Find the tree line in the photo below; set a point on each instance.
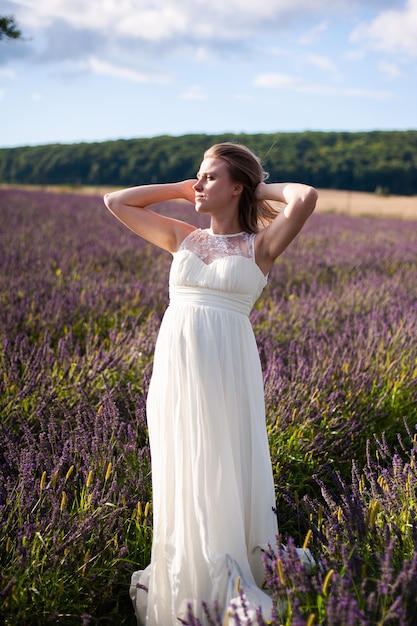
(377, 161)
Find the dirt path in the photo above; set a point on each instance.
(330, 201)
(360, 203)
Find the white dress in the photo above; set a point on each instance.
(213, 491)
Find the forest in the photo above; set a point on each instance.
(384, 162)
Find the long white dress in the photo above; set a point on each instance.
(213, 491)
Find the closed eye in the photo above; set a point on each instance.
(206, 176)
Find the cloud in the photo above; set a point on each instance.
(195, 92)
(276, 52)
(124, 73)
(7, 73)
(323, 63)
(62, 41)
(128, 35)
(3, 93)
(313, 34)
(292, 83)
(179, 21)
(141, 20)
(393, 31)
(390, 70)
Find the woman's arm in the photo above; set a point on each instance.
(300, 201)
(129, 206)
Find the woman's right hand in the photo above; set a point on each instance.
(187, 189)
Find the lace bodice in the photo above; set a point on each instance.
(220, 262)
(210, 247)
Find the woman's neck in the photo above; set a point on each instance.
(225, 226)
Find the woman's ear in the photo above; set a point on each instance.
(237, 189)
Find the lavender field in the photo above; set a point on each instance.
(81, 300)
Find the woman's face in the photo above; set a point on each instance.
(214, 189)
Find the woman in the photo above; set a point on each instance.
(213, 492)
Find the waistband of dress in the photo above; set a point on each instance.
(200, 296)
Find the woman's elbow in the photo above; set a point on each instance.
(311, 198)
(109, 201)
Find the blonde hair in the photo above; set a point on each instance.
(245, 168)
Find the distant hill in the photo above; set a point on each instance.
(379, 161)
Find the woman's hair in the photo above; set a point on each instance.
(245, 168)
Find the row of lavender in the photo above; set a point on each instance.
(80, 304)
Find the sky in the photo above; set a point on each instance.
(100, 70)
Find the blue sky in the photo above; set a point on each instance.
(108, 69)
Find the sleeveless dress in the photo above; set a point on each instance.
(213, 491)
